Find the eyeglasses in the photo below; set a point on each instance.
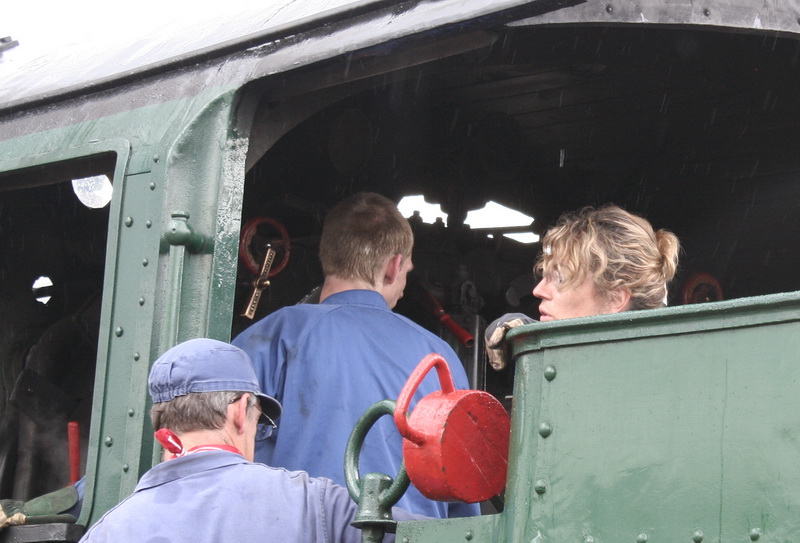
(265, 427)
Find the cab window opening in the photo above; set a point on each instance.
(53, 257)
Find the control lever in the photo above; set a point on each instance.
(260, 283)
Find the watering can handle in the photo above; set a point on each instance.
(416, 377)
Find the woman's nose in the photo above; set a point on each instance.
(540, 290)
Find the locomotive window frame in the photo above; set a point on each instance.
(25, 171)
(60, 167)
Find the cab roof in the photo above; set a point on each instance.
(38, 59)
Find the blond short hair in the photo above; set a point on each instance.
(360, 233)
(617, 248)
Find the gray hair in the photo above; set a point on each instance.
(196, 411)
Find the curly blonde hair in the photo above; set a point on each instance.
(617, 248)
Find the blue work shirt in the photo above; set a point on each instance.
(327, 363)
(219, 496)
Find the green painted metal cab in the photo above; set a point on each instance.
(667, 425)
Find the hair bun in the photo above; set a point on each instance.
(669, 247)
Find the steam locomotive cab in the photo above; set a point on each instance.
(136, 211)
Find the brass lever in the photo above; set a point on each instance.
(260, 283)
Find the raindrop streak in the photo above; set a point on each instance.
(767, 99)
(347, 66)
(755, 167)
(453, 123)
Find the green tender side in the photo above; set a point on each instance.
(680, 424)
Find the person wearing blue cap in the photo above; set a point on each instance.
(208, 411)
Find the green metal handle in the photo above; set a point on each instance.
(179, 232)
(181, 238)
(389, 496)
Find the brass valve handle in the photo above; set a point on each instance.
(260, 283)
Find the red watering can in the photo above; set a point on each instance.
(455, 444)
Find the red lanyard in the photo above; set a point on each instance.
(173, 444)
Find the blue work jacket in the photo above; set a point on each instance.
(219, 496)
(327, 363)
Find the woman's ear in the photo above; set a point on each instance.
(619, 300)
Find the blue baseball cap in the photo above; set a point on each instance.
(206, 365)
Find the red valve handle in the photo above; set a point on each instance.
(701, 287)
(414, 380)
(245, 251)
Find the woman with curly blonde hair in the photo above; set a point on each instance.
(604, 260)
(594, 262)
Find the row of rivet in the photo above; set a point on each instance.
(468, 535)
(131, 413)
(697, 536)
(545, 429)
(119, 331)
(610, 9)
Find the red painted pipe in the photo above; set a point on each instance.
(74, 438)
(467, 339)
